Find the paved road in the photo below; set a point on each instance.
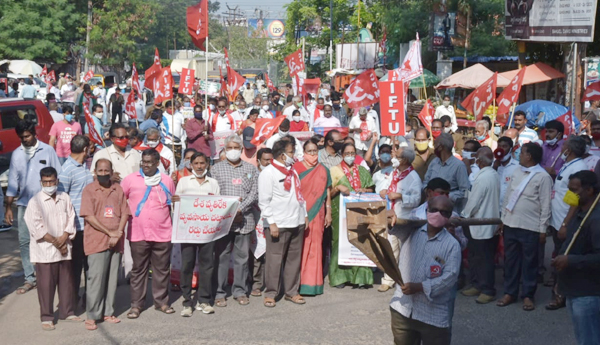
(344, 316)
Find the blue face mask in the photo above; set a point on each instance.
(186, 104)
(69, 118)
(481, 138)
(385, 157)
(517, 154)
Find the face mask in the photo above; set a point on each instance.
(221, 112)
(480, 137)
(421, 146)
(564, 156)
(336, 106)
(103, 179)
(436, 219)
(296, 118)
(99, 115)
(152, 144)
(283, 133)
(198, 116)
(497, 130)
(187, 164)
(233, 155)
(299, 104)
(211, 107)
(69, 118)
(551, 142)
(312, 160)
(447, 129)
(320, 106)
(386, 158)
(186, 104)
(289, 161)
(262, 167)
(395, 162)
(121, 142)
(338, 146)
(349, 160)
(506, 157)
(467, 155)
(49, 190)
(320, 147)
(409, 135)
(200, 175)
(446, 103)
(571, 199)
(436, 134)
(265, 107)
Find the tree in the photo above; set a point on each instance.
(38, 29)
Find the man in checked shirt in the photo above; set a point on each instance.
(236, 178)
(429, 264)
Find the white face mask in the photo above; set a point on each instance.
(49, 190)
(564, 156)
(446, 103)
(447, 129)
(551, 142)
(222, 112)
(99, 115)
(506, 156)
(233, 155)
(265, 107)
(152, 144)
(262, 167)
(296, 118)
(211, 106)
(467, 155)
(200, 175)
(395, 162)
(289, 161)
(349, 160)
(282, 133)
(187, 164)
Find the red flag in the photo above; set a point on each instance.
(51, 76)
(234, 82)
(153, 71)
(426, 115)
(567, 121)
(392, 108)
(265, 128)
(163, 86)
(88, 76)
(509, 96)
(269, 83)
(295, 62)
(412, 66)
(223, 91)
(186, 81)
(197, 23)
(44, 73)
(481, 98)
(226, 59)
(592, 92)
(94, 135)
(135, 81)
(130, 106)
(363, 91)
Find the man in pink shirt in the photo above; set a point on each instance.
(149, 194)
(62, 132)
(327, 120)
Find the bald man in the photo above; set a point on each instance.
(513, 134)
(483, 202)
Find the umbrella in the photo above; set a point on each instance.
(430, 80)
(24, 67)
(539, 112)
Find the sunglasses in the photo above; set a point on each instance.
(444, 213)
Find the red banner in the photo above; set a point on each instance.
(135, 81)
(130, 106)
(197, 23)
(426, 115)
(163, 86)
(592, 92)
(265, 128)
(480, 99)
(269, 83)
(186, 81)
(94, 135)
(363, 91)
(51, 76)
(234, 82)
(567, 121)
(509, 96)
(88, 76)
(392, 108)
(153, 71)
(295, 62)
(44, 73)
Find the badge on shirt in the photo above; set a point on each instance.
(108, 212)
(249, 175)
(236, 181)
(435, 271)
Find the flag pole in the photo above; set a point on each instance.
(512, 113)
(173, 125)
(206, 73)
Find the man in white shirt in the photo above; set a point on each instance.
(284, 130)
(327, 120)
(248, 93)
(56, 116)
(447, 109)
(224, 119)
(318, 110)
(483, 202)
(264, 112)
(297, 104)
(468, 157)
(242, 110)
(505, 165)
(140, 108)
(284, 209)
(172, 125)
(526, 134)
(167, 159)
(372, 113)
(55, 91)
(363, 127)
(100, 93)
(67, 92)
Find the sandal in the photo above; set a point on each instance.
(111, 319)
(296, 299)
(165, 309)
(221, 302)
(26, 288)
(528, 306)
(74, 318)
(243, 300)
(90, 325)
(256, 293)
(134, 313)
(506, 300)
(269, 302)
(48, 326)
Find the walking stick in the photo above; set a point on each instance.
(581, 225)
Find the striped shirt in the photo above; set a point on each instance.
(528, 135)
(433, 262)
(45, 215)
(452, 170)
(72, 180)
(328, 160)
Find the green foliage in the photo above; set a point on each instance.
(38, 29)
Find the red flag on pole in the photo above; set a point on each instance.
(426, 115)
(94, 135)
(51, 76)
(135, 81)
(153, 71)
(481, 98)
(186, 81)
(567, 120)
(44, 73)
(269, 83)
(509, 96)
(130, 106)
(223, 84)
(234, 81)
(197, 23)
(363, 91)
(265, 128)
(163, 86)
(88, 76)
(295, 62)
(412, 66)
(592, 92)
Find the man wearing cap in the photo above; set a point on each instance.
(249, 152)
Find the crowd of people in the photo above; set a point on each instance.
(292, 189)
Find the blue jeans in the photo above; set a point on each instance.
(585, 314)
(24, 245)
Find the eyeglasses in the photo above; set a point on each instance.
(444, 213)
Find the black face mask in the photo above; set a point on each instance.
(103, 179)
(336, 106)
(338, 146)
(320, 147)
(198, 115)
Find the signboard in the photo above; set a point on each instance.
(592, 72)
(187, 112)
(356, 55)
(266, 28)
(203, 218)
(212, 88)
(392, 108)
(443, 29)
(550, 20)
(219, 143)
(348, 254)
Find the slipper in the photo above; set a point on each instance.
(111, 319)
(256, 293)
(242, 300)
(165, 309)
(221, 302)
(26, 288)
(48, 326)
(134, 313)
(74, 318)
(90, 325)
(528, 306)
(503, 302)
(296, 299)
(269, 302)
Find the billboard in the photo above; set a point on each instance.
(550, 21)
(266, 28)
(356, 55)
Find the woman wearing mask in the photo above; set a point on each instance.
(62, 132)
(315, 187)
(347, 177)
(297, 125)
(196, 184)
(199, 133)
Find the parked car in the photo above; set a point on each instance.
(39, 85)
(12, 110)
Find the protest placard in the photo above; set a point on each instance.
(392, 108)
(203, 218)
(302, 136)
(219, 143)
(258, 241)
(187, 112)
(348, 254)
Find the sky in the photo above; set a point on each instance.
(271, 8)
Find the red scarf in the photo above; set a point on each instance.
(165, 162)
(317, 114)
(216, 116)
(287, 183)
(397, 177)
(297, 126)
(354, 177)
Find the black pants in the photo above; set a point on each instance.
(78, 264)
(205, 254)
(557, 245)
(412, 332)
(118, 112)
(481, 263)
(521, 261)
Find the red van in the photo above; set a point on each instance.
(12, 110)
